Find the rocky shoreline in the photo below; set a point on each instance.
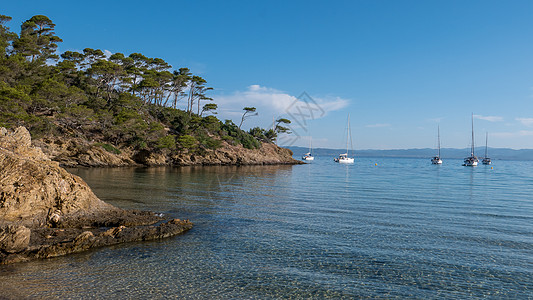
(45, 211)
(77, 152)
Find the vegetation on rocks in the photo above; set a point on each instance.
(115, 101)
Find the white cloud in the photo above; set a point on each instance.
(280, 102)
(229, 112)
(489, 118)
(379, 125)
(257, 87)
(525, 121)
(525, 133)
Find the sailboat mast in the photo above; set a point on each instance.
(349, 134)
(438, 137)
(486, 143)
(472, 151)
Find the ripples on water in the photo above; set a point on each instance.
(403, 228)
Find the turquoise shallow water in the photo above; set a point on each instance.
(404, 228)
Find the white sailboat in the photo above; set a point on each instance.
(486, 160)
(436, 160)
(472, 160)
(343, 158)
(308, 156)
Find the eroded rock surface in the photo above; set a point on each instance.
(45, 211)
(76, 152)
(268, 154)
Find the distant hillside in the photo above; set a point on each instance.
(494, 153)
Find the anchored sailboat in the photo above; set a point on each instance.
(486, 160)
(343, 158)
(436, 160)
(308, 155)
(472, 160)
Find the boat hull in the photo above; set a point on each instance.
(471, 161)
(308, 156)
(436, 161)
(345, 160)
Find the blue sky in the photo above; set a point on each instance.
(399, 68)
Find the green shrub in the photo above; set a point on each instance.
(139, 144)
(168, 142)
(108, 148)
(78, 111)
(212, 143)
(208, 142)
(187, 141)
(211, 124)
(126, 115)
(242, 137)
(229, 140)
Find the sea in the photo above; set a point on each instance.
(379, 228)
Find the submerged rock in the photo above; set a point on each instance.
(45, 211)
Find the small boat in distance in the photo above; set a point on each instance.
(472, 160)
(486, 160)
(308, 155)
(343, 158)
(436, 160)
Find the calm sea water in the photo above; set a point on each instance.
(402, 228)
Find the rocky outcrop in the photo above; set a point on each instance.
(268, 154)
(76, 152)
(46, 211)
(14, 238)
(23, 244)
(34, 192)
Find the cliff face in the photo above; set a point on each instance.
(46, 211)
(268, 154)
(75, 152)
(33, 186)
